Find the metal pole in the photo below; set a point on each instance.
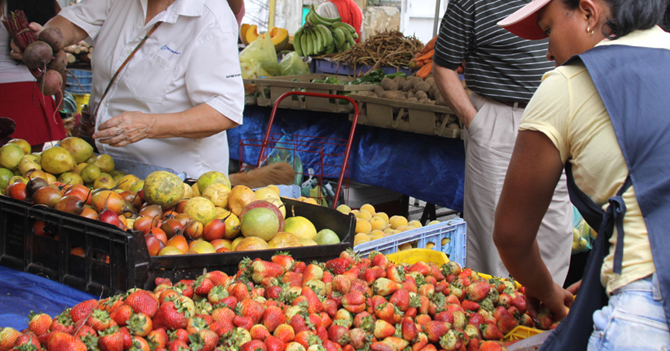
(271, 16)
(437, 17)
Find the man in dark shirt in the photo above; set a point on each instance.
(502, 71)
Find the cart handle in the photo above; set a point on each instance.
(349, 142)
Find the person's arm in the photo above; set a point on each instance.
(72, 34)
(236, 5)
(534, 171)
(129, 127)
(453, 93)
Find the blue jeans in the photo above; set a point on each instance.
(633, 320)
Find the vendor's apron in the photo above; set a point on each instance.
(633, 85)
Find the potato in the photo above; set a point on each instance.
(379, 90)
(400, 81)
(422, 86)
(434, 92)
(389, 85)
(412, 99)
(440, 101)
(409, 85)
(421, 95)
(430, 80)
(390, 95)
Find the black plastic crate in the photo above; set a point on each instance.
(116, 261)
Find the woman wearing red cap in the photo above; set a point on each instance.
(603, 114)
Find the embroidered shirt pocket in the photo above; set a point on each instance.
(149, 78)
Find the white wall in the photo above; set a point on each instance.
(418, 18)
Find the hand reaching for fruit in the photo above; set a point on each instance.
(126, 128)
(557, 302)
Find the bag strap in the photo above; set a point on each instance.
(118, 71)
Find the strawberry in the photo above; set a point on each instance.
(250, 308)
(312, 272)
(390, 343)
(168, 294)
(460, 320)
(253, 345)
(519, 301)
(420, 342)
(39, 323)
(341, 284)
(435, 330)
(421, 267)
(82, 310)
(158, 337)
(350, 255)
(263, 269)
(284, 333)
(473, 345)
(339, 334)
(259, 332)
(377, 259)
(59, 341)
(430, 280)
(140, 325)
(427, 290)
(239, 291)
(217, 278)
(223, 314)
(400, 299)
(424, 304)
(171, 315)
(142, 302)
(230, 301)
(196, 324)
(186, 287)
(176, 345)
(383, 329)
(209, 339)
(29, 339)
(436, 272)
(63, 322)
(111, 303)
(315, 305)
(272, 343)
(386, 312)
(429, 347)
(369, 275)
(329, 306)
(299, 267)
(472, 331)
(305, 338)
(333, 346)
(445, 316)
(360, 285)
(352, 273)
(283, 259)
(326, 321)
(178, 334)
(453, 340)
(338, 265)
(409, 329)
(82, 330)
(273, 317)
(344, 317)
(354, 301)
(506, 323)
(243, 322)
(526, 321)
(476, 319)
(422, 319)
(99, 320)
(202, 286)
(222, 327)
(111, 339)
(491, 331)
(469, 305)
(477, 291)
(490, 346)
(364, 320)
(121, 315)
(139, 344)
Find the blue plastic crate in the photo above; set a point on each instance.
(330, 67)
(454, 230)
(85, 79)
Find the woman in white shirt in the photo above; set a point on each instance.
(172, 103)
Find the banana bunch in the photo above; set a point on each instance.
(322, 36)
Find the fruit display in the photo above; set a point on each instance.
(323, 36)
(348, 303)
(280, 38)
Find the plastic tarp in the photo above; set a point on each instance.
(22, 292)
(429, 168)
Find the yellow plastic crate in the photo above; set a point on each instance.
(521, 332)
(412, 256)
(81, 100)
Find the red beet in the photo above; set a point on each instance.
(50, 82)
(37, 55)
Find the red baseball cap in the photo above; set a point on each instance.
(523, 22)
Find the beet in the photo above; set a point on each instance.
(58, 62)
(50, 82)
(37, 55)
(53, 37)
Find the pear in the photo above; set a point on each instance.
(78, 148)
(57, 160)
(105, 163)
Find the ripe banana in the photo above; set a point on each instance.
(296, 42)
(326, 34)
(338, 35)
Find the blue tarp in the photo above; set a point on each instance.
(22, 292)
(426, 167)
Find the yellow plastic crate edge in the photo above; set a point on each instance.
(521, 332)
(415, 255)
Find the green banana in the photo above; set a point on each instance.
(326, 33)
(310, 17)
(345, 25)
(330, 48)
(318, 44)
(346, 46)
(296, 41)
(338, 35)
(318, 19)
(348, 38)
(305, 43)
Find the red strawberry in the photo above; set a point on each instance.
(285, 333)
(351, 256)
(369, 275)
(63, 322)
(222, 327)
(176, 345)
(111, 339)
(223, 314)
(339, 334)
(476, 319)
(59, 341)
(330, 307)
(386, 312)
(239, 291)
(377, 259)
(143, 302)
(341, 284)
(390, 343)
(99, 320)
(272, 343)
(313, 271)
(472, 331)
(359, 337)
(422, 319)
(313, 301)
(460, 320)
(453, 340)
(171, 315)
(140, 325)
(139, 344)
(435, 330)
(333, 346)
(259, 332)
(263, 269)
(82, 310)
(121, 315)
(429, 347)
(421, 267)
(427, 290)
(400, 299)
(272, 317)
(250, 308)
(196, 324)
(338, 265)
(473, 345)
(217, 277)
(29, 338)
(491, 331)
(352, 273)
(178, 334)
(202, 285)
(354, 301)
(299, 267)
(243, 322)
(490, 346)
(305, 338)
(445, 316)
(506, 323)
(82, 330)
(127, 338)
(253, 345)
(383, 329)
(478, 291)
(470, 305)
(208, 339)
(283, 259)
(519, 301)
(111, 303)
(409, 329)
(39, 323)
(526, 321)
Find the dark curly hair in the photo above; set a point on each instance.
(39, 11)
(631, 15)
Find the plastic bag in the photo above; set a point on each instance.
(252, 69)
(284, 151)
(582, 233)
(293, 65)
(261, 51)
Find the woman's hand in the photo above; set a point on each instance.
(15, 52)
(126, 128)
(556, 299)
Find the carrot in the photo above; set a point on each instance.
(425, 70)
(419, 64)
(426, 56)
(429, 46)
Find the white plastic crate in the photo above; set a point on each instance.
(453, 229)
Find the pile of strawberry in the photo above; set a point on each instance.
(348, 303)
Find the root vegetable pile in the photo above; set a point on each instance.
(386, 49)
(347, 303)
(42, 55)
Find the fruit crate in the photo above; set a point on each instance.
(116, 261)
(332, 67)
(454, 230)
(268, 90)
(407, 116)
(79, 82)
